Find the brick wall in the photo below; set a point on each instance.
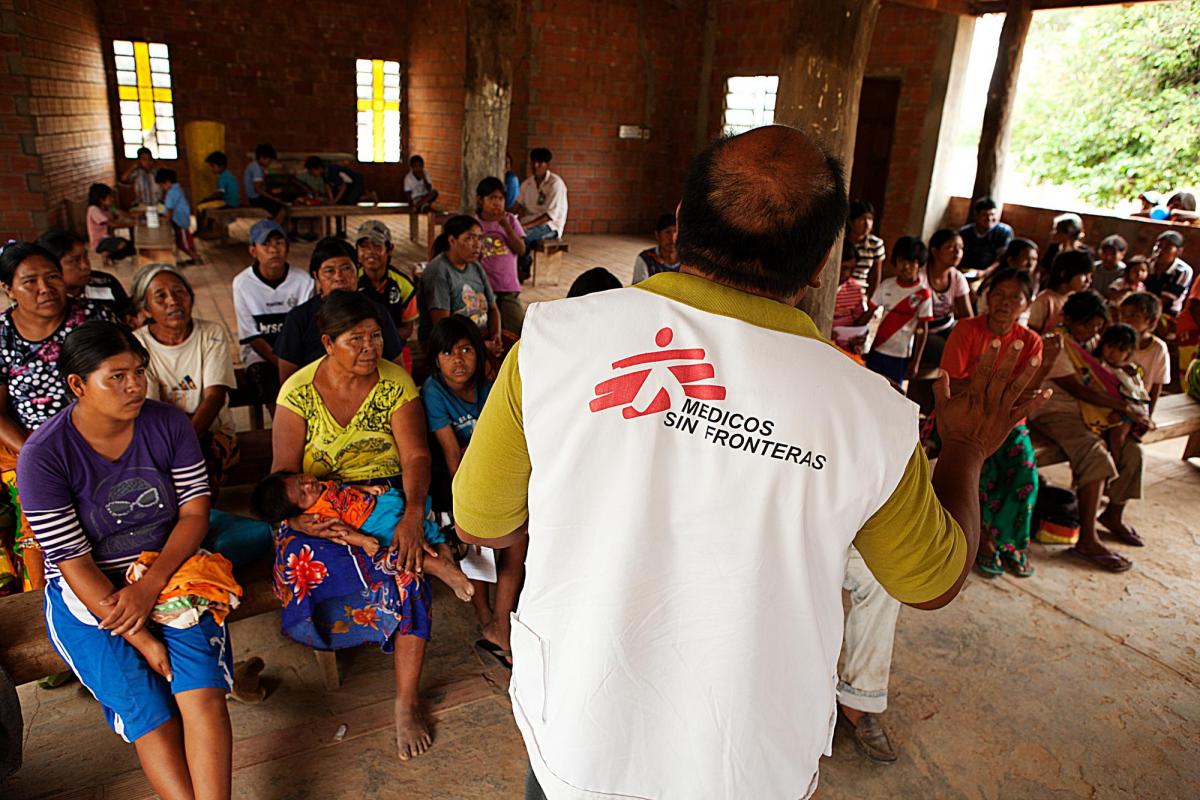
(749, 42)
(54, 137)
(579, 94)
(437, 71)
(270, 70)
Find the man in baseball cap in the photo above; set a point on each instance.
(1170, 275)
(385, 283)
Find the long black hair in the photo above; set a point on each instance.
(455, 226)
(448, 332)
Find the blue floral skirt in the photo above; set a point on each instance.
(335, 596)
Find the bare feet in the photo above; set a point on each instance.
(412, 735)
(445, 570)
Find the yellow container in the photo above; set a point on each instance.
(201, 138)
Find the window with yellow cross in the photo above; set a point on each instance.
(378, 110)
(145, 96)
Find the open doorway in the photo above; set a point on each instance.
(873, 143)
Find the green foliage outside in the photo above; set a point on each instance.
(1111, 105)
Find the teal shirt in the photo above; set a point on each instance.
(227, 185)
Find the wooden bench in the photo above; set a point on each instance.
(547, 261)
(222, 217)
(330, 215)
(1177, 415)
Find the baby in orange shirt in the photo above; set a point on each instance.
(373, 511)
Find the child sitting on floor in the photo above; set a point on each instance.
(1116, 348)
(907, 304)
(179, 212)
(851, 310)
(373, 511)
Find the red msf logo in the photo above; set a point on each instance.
(641, 396)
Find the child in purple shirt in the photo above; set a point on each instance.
(503, 242)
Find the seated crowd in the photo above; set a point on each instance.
(115, 496)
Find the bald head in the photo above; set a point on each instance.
(761, 210)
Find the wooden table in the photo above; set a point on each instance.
(329, 215)
(155, 244)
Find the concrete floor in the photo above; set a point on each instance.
(1070, 684)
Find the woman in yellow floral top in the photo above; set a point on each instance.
(354, 417)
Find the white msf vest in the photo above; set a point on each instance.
(697, 482)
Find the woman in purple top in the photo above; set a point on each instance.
(111, 476)
(503, 242)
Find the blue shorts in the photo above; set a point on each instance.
(135, 698)
(389, 508)
(893, 367)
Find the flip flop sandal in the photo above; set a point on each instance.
(989, 565)
(1018, 564)
(1109, 562)
(1130, 538)
(502, 656)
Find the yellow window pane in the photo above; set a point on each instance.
(377, 79)
(127, 92)
(393, 105)
(146, 109)
(162, 95)
(378, 136)
(364, 105)
(141, 55)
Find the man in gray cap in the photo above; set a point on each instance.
(386, 283)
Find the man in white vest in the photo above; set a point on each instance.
(691, 461)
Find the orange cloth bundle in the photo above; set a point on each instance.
(202, 583)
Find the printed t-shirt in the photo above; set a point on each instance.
(943, 302)
(417, 187)
(904, 307)
(252, 174)
(299, 339)
(550, 199)
(980, 251)
(262, 305)
(650, 262)
(868, 251)
(178, 374)
(398, 296)
(341, 501)
(79, 502)
(445, 408)
(498, 259)
(971, 338)
(1155, 361)
(1060, 401)
(177, 206)
(227, 185)
(97, 225)
(463, 291)
(1046, 310)
(36, 391)
(364, 449)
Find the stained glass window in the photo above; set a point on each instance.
(146, 100)
(378, 84)
(749, 102)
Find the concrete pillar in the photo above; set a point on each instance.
(941, 123)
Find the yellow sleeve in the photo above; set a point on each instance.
(292, 395)
(399, 376)
(912, 545)
(491, 487)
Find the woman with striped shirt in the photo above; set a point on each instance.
(111, 476)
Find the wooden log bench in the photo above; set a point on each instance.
(547, 261)
(1177, 415)
(223, 217)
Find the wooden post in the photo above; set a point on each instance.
(997, 116)
(491, 30)
(706, 68)
(820, 80)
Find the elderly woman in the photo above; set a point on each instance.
(1008, 485)
(113, 477)
(190, 364)
(1093, 467)
(356, 418)
(32, 332)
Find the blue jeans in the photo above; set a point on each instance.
(535, 234)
